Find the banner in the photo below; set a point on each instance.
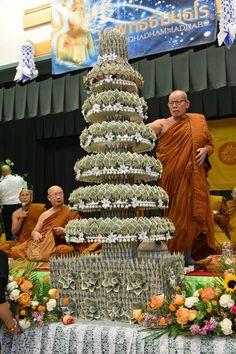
(223, 160)
(151, 27)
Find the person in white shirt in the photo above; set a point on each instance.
(10, 187)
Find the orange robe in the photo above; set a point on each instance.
(50, 245)
(231, 204)
(34, 211)
(186, 184)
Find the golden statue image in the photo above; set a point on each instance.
(75, 45)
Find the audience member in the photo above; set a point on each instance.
(48, 236)
(183, 149)
(5, 313)
(221, 218)
(10, 187)
(24, 220)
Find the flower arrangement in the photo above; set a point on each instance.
(34, 303)
(209, 311)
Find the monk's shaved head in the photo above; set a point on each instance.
(6, 170)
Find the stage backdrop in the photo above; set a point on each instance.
(223, 160)
(151, 27)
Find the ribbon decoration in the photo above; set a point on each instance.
(227, 34)
(26, 69)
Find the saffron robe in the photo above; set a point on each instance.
(34, 211)
(51, 245)
(231, 204)
(186, 184)
(221, 220)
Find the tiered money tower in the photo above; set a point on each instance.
(134, 264)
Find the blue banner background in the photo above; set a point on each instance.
(151, 26)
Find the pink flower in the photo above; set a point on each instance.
(232, 309)
(68, 319)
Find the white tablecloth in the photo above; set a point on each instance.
(107, 337)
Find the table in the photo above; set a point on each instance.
(105, 337)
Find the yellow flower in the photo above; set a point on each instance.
(137, 315)
(229, 283)
(54, 293)
(179, 299)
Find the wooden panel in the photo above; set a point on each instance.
(42, 48)
(37, 16)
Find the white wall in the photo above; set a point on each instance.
(11, 28)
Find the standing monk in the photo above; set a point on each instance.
(183, 149)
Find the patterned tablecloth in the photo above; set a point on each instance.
(107, 337)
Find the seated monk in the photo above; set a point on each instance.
(231, 204)
(221, 218)
(24, 220)
(48, 236)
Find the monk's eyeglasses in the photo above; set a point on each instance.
(177, 103)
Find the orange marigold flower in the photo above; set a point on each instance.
(214, 302)
(33, 307)
(209, 309)
(22, 313)
(41, 308)
(66, 301)
(172, 307)
(162, 321)
(214, 281)
(178, 288)
(46, 280)
(205, 300)
(200, 291)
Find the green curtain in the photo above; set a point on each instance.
(192, 71)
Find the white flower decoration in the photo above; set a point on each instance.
(14, 294)
(51, 304)
(190, 301)
(142, 235)
(226, 326)
(138, 137)
(109, 136)
(134, 202)
(12, 285)
(106, 203)
(112, 237)
(226, 301)
(24, 324)
(123, 169)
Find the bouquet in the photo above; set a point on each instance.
(32, 303)
(209, 311)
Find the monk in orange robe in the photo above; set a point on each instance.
(24, 220)
(227, 218)
(231, 204)
(48, 236)
(183, 149)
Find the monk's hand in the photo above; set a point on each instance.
(59, 231)
(36, 236)
(201, 155)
